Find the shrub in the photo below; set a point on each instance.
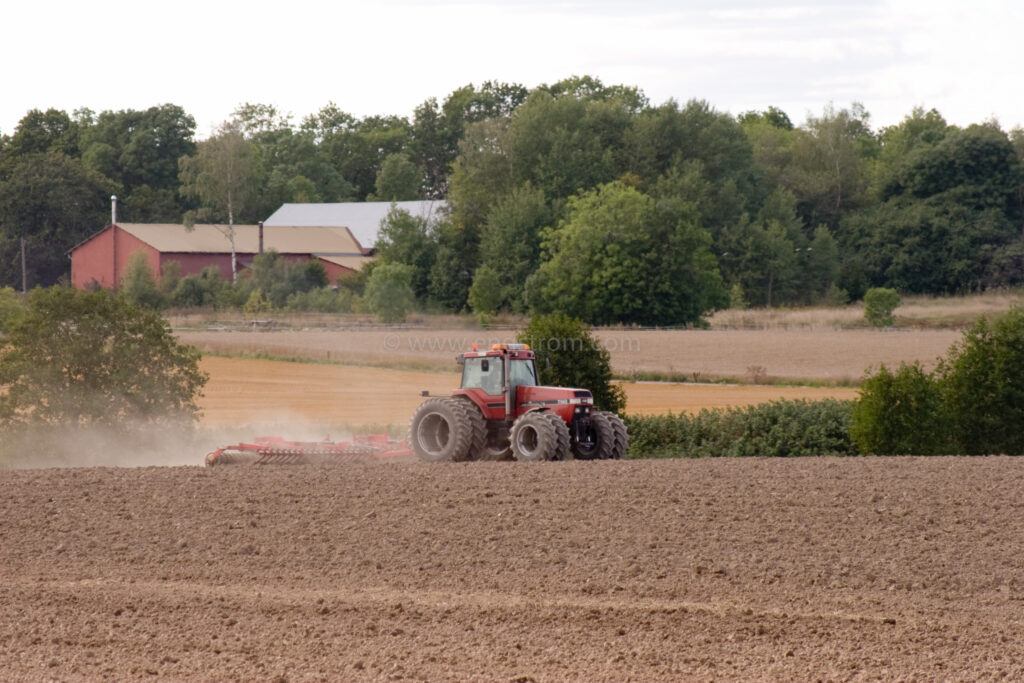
(983, 385)
(138, 285)
(323, 300)
(879, 304)
(776, 429)
(568, 355)
(900, 414)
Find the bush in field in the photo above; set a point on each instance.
(901, 413)
(983, 386)
(10, 308)
(568, 355)
(776, 429)
(972, 404)
(879, 304)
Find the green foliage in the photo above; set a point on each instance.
(256, 304)
(80, 359)
(973, 403)
(879, 304)
(485, 294)
(737, 301)
(511, 240)
(622, 257)
(196, 290)
(138, 285)
(222, 175)
(901, 413)
(55, 202)
(398, 180)
(389, 292)
(983, 386)
(776, 429)
(569, 355)
(407, 239)
(323, 300)
(10, 308)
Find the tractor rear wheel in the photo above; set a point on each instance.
(440, 431)
(477, 428)
(598, 440)
(534, 438)
(621, 435)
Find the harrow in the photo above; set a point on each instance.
(274, 450)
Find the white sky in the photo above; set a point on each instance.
(388, 56)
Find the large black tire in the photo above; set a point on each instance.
(621, 435)
(477, 427)
(497, 448)
(598, 442)
(561, 433)
(440, 431)
(534, 438)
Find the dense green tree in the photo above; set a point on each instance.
(983, 385)
(622, 257)
(899, 413)
(399, 180)
(510, 243)
(407, 239)
(79, 359)
(829, 160)
(139, 150)
(54, 202)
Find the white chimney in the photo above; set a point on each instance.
(113, 209)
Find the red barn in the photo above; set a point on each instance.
(103, 258)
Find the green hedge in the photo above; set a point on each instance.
(776, 429)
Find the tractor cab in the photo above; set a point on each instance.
(503, 383)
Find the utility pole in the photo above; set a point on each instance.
(24, 275)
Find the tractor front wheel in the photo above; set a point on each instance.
(534, 438)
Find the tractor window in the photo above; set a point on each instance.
(475, 377)
(524, 373)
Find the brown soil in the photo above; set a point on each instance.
(275, 394)
(837, 569)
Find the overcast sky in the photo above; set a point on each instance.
(388, 56)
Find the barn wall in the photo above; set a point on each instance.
(104, 258)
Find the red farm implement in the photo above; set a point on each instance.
(274, 450)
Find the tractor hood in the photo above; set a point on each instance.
(547, 397)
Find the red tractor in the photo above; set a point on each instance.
(501, 412)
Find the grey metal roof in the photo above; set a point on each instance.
(362, 218)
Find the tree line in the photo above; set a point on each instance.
(574, 197)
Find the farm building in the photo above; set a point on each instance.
(361, 218)
(103, 258)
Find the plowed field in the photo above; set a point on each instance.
(832, 569)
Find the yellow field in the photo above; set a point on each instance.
(282, 394)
